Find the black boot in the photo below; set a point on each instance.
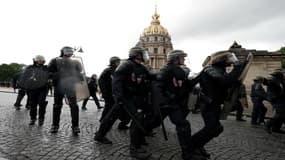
(139, 153)
(41, 122)
(42, 112)
(278, 131)
(100, 107)
(204, 152)
(122, 126)
(75, 130)
(54, 129)
(193, 155)
(32, 122)
(28, 107)
(101, 139)
(84, 108)
(268, 128)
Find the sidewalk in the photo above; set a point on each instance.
(19, 141)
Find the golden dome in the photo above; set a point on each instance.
(155, 27)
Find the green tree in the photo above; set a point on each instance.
(282, 50)
(7, 71)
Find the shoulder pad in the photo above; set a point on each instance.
(124, 67)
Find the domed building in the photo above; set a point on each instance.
(157, 41)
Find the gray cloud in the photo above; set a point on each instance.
(233, 17)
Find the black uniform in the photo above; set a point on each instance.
(238, 106)
(105, 84)
(130, 91)
(276, 95)
(258, 95)
(214, 83)
(38, 95)
(66, 73)
(92, 86)
(21, 92)
(170, 93)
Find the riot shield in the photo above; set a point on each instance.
(81, 87)
(33, 78)
(233, 93)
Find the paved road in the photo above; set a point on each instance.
(19, 141)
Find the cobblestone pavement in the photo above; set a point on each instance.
(19, 141)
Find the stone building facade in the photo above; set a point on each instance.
(264, 62)
(156, 39)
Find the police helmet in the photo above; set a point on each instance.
(278, 74)
(174, 54)
(66, 51)
(94, 76)
(114, 59)
(135, 51)
(259, 79)
(39, 58)
(220, 57)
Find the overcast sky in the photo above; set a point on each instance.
(106, 28)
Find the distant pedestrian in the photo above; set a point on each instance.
(258, 95)
(240, 104)
(276, 95)
(93, 88)
(21, 91)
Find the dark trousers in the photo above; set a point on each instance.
(114, 114)
(276, 121)
(71, 97)
(239, 110)
(21, 95)
(212, 128)
(258, 112)
(94, 96)
(109, 103)
(38, 97)
(183, 128)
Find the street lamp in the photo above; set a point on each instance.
(78, 49)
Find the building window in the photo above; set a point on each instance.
(164, 51)
(155, 50)
(163, 39)
(147, 39)
(155, 38)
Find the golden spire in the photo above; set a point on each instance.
(155, 27)
(155, 17)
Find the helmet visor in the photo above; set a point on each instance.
(145, 56)
(232, 58)
(68, 51)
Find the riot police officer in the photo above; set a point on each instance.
(240, 103)
(66, 73)
(214, 83)
(93, 88)
(276, 96)
(258, 95)
(105, 84)
(21, 91)
(170, 93)
(130, 94)
(35, 81)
